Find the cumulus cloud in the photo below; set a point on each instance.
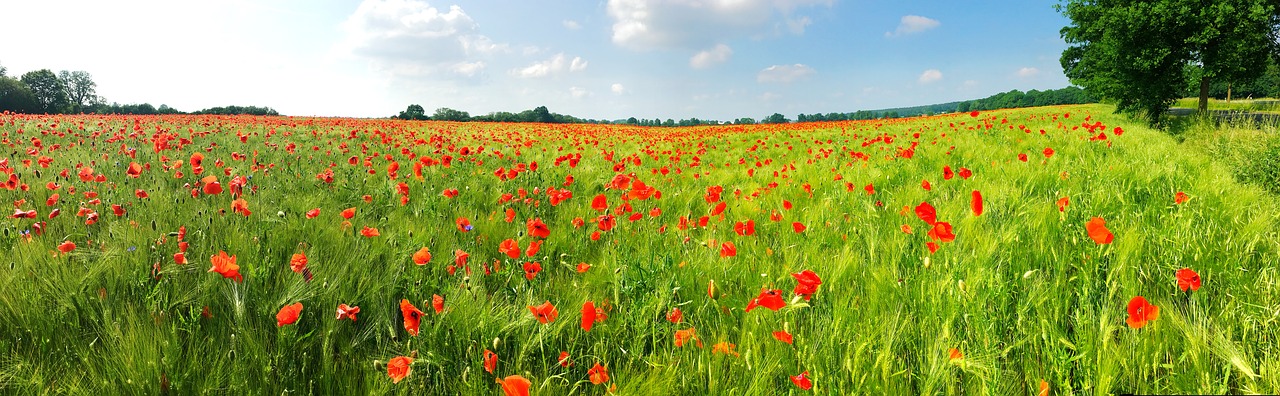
(714, 56)
(668, 24)
(911, 24)
(930, 76)
(571, 24)
(556, 64)
(618, 89)
(784, 73)
(1028, 72)
(412, 37)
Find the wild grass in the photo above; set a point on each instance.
(1022, 292)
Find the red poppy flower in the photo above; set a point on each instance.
(226, 266)
(1022, 157)
(515, 385)
(786, 204)
(460, 257)
(600, 203)
(180, 258)
(239, 205)
(870, 189)
(1097, 228)
(67, 247)
(463, 224)
(675, 316)
(369, 232)
(422, 256)
(724, 347)
(533, 249)
(925, 185)
(798, 227)
(398, 368)
(348, 213)
(437, 303)
(768, 298)
(783, 335)
(531, 270)
(311, 214)
(511, 215)
(1062, 204)
(933, 247)
(926, 213)
(563, 360)
(537, 228)
(288, 315)
(745, 229)
(802, 380)
(807, 283)
(213, 188)
(976, 203)
(490, 361)
(942, 232)
(1180, 198)
(141, 194)
(1048, 152)
(683, 336)
(412, 317)
(598, 374)
(965, 173)
(947, 174)
(1188, 279)
(298, 262)
(954, 354)
(510, 247)
(591, 315)
(347, 311)
(727, 249)
(545, 312)
(1141, 312)
(583, 267)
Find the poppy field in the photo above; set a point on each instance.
(1052, 250)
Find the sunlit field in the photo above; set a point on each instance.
(1052, 250)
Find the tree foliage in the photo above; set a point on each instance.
(81, 90)
(16, 97)
(50, 92)
(1135, 52)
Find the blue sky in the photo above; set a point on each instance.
(710, 59)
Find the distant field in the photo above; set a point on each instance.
(988, 253)
(1266, 105)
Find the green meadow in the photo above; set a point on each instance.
(1023, 298)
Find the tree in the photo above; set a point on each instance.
(16, 97)
(50, 92)
(413, 112)
(80, 88)
(1135, 52)
(776, 118)
(541, 114)
(447, 114)
(3, 70)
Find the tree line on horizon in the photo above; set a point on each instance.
(1011, 99)
(74, 92)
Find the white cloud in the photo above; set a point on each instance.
(571, 24)
(930, 76)
(578, 64)
(784, 74)
(556, 64)
(578, 92)
(468, 69)
(1028, 72)
(410, 37)
(911, 24)
(693, 24)
(618, 89)
(705, 59)
(797, 25)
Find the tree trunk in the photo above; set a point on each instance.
(1228, 92)
(1204, 94)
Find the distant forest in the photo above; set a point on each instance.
(1011, 99)
(74, 92)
